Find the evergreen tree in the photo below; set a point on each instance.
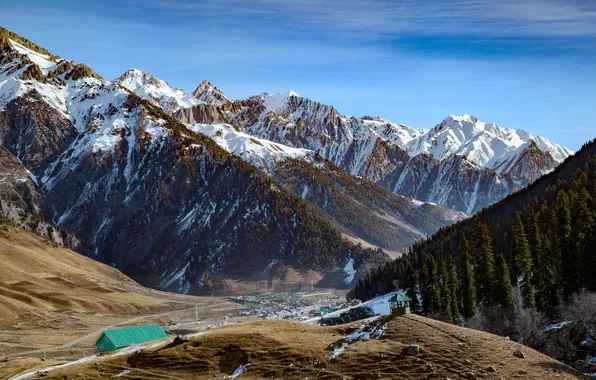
(453, 285)
(466, 278)
(523, 260)
(411, 286)
(566, 249)
(434, 284)
(533, 234)
(589, 261)
(484, 261)
(426, 289)
(502, 289)
(547, 293)
(445, 295)
(584, 226)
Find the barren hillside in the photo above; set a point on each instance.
(290, 350)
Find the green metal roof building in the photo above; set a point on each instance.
(112, 340)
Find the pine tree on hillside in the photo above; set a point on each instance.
(566, 248)
(411, 286)
(445, 292)
(502, 291)
(584, 239)
(466, 278)
(484, 261)
(453, 285)
(535, 242)
(427, 288)
(359, 290)
(589, 261)
(434, 279)
(547, 292)
(533, 234)
(523, 261)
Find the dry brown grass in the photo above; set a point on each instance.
(51, 296)
(290, 350)
(35, 275)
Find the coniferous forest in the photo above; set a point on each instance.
(533, 253)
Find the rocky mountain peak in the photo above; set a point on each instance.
(208, 93)
(139, 76)
(204, 86)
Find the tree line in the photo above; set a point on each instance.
(544, 249)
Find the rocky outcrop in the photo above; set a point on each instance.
(209, 94)
(17, 185)
(35, 132)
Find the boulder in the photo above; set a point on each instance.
(413, 349)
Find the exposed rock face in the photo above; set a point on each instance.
(35, 131)
(33, 221)
(146, 194)
(462, 163)
(17, 185)
(208, 93)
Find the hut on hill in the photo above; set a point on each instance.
(399, 304)
(112, 340)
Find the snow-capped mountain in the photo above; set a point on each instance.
(145, 193)
(263, 154)
(485, 144)
(209, 94)
(175, 188)
(156, 90)
(461, 163)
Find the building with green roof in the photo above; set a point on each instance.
(112, 340)
(399, 304)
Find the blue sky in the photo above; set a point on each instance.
(522, 64)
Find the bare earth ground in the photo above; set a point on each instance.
(292, 350)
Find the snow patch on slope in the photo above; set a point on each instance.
(155, 90)
(485, 144)
(277, 101)
(349, 271)
(262, 153)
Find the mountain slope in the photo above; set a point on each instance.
(152, 197)
(539, 197)
(363, 209)
(462, 163)
(155, 90)
(38, 276)
(570, 186)
(486, 145)
(393, 222)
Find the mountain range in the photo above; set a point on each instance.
(188, 192)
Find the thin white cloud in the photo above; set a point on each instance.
(505, 18)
